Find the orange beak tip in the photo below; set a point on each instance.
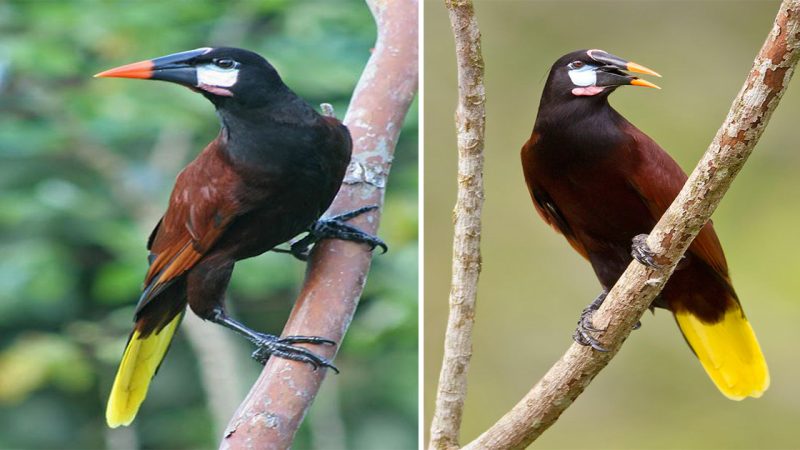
(141, 70)
(643, 83)
(638, 68)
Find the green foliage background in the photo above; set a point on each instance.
(654, 394)
(86, 166)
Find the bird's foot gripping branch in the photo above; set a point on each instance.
(335, 227)
(268, 344)
(583, 333)
(641, 252)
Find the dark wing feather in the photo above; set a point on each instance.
(544, 205)
(658, 179)
(201, 208)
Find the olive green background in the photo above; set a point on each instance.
(86, 167)
(654, 394)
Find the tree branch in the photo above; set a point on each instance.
(638, 286)
(273, 410)
(470, 122)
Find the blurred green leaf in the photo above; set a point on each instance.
(86, 168)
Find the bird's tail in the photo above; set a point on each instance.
(142, 357)
(728, 351)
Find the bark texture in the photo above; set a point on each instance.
(639, 285)
(470, 122)
(273, 410)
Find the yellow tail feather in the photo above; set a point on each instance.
(729, 352)
(139, 364)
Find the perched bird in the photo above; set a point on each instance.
(603, 183)
(268, 176)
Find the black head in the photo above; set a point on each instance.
(224, 75)
(586, 75)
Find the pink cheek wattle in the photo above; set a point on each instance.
(586, 91)
(217, 90)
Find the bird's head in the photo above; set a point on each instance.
(221, 74)
(593, 74)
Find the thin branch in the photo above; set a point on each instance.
(273, 410)
(638, 286)
(470, 122)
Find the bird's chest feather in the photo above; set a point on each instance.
(293, 170)
(589, 185)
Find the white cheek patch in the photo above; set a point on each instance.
(211, 75)
(585, 76)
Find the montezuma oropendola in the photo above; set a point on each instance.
(268, 176)
(603, 183)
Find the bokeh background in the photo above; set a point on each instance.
(86, 166)
(654, 394)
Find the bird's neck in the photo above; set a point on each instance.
(579, 128)
(255, 134)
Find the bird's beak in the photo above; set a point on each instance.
(175, 68)
(610, 74)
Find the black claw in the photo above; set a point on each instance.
(586, 322)
(344, 217)
(585, 326)
(582, 334)
(306, 340)
(641, 252)
(334, 228)
(269, 345)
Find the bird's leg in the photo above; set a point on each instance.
(585, 327)
(335, 228)
(301, 248)
(642, 253)
(268, 344)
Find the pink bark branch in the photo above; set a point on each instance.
(638, 286)
(273, 410)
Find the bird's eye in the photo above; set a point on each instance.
(576, 64)
(225, 63)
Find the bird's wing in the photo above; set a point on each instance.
(201, 207)
(553, 217)
(545, 205)
(658, 179)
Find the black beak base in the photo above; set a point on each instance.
(177, 68)
(612, 76)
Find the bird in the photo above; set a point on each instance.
(269, 175)
(603, 184)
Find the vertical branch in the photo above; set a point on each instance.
(470, 121)
(639, 285)
(273, 410)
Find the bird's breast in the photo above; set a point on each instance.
(593, 195)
